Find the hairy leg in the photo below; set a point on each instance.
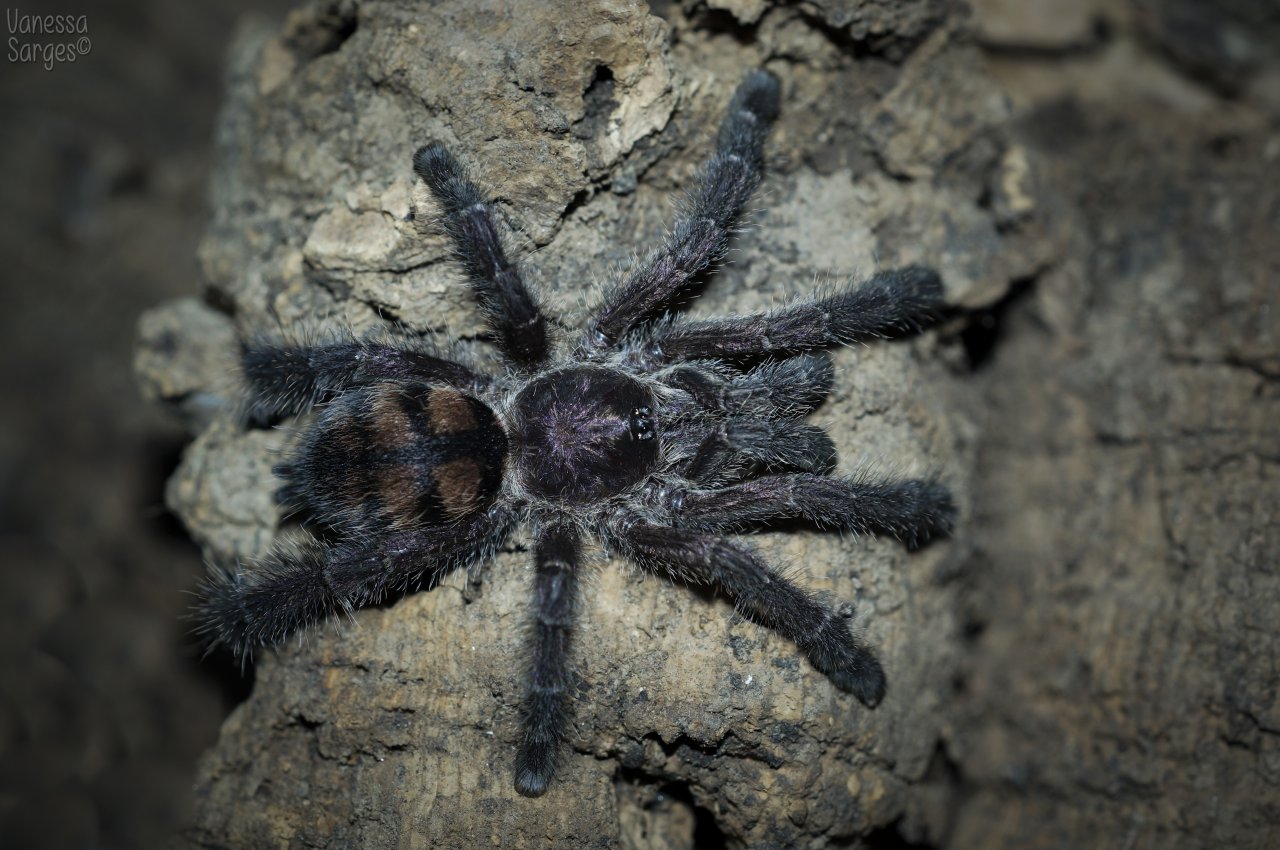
(776, 443)
(296, 588)
(511, 309)
(287, 379)
(763, 594)
(546, 704)
(710, 209)
(787, 388)
(914, 510)
(890, 301)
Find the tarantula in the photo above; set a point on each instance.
(651, 434)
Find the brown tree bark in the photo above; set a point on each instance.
(1121, 681)
(1087, 663)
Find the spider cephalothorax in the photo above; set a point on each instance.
(652, 435)
(584, 434)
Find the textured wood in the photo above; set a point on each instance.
(399, 730)
(1121, 685)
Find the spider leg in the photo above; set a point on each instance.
(511, 309)
(787, 388)
(777, 443)
(710, 209)
(287, 379)
(912, 510)
(546, 704)
(762, 593)
(889, 301)
(296, 588)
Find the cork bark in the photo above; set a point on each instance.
(1120, 682)
(585, 119)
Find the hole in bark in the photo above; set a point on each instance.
(597, 105)
(576, 203)
(723, 22)
(985, 329)
(706, 833)
(325, 33)
(664, 815)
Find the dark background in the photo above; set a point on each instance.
(104, 707)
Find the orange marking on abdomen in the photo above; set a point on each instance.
(458, 485)
(450, 412)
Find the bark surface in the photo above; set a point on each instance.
(1088, 663)
(1121, 682)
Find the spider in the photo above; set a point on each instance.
(652, 434)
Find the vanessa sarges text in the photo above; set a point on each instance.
(46, 40)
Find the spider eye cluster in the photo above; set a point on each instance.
(642, 427)
(583, 434)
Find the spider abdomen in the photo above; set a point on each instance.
(583, 434)
(398, 456)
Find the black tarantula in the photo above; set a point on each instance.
(651, 435)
